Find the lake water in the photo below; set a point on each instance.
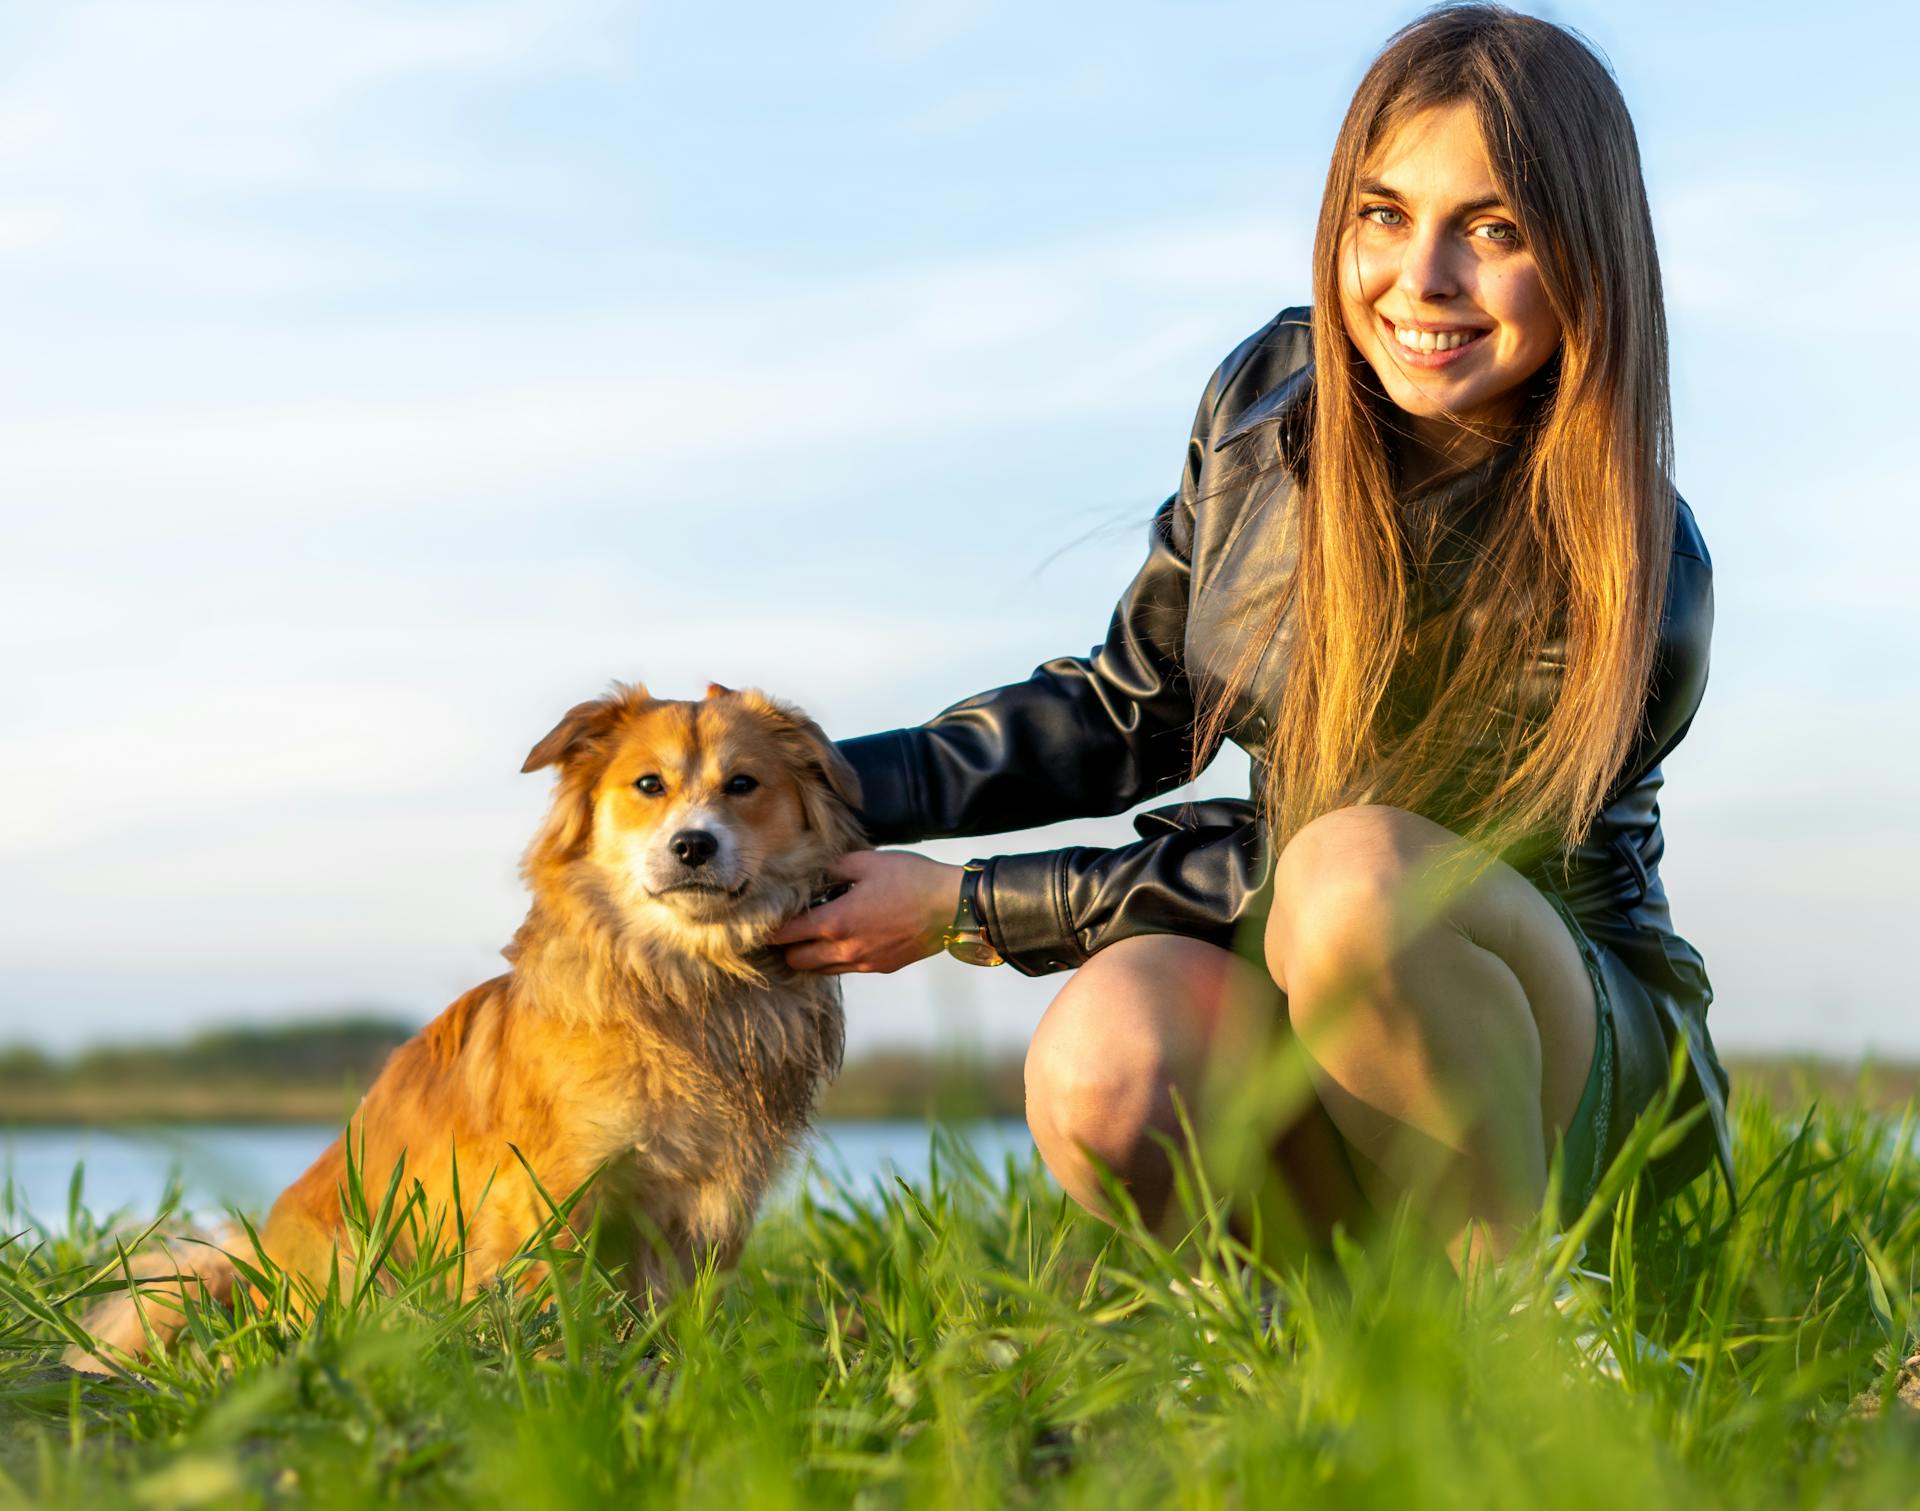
(221, 1166)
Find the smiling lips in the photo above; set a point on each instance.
(1423, 347)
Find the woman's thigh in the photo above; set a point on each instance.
(1159, 1022)
(1355, 892)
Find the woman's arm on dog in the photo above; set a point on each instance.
(1047, 911)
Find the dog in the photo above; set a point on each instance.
(646, 1044)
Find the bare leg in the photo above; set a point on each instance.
(1156, 1015)
(1451, 1028)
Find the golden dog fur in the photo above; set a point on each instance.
(645, 1030)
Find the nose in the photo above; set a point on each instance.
(694, 847)
(1427, 269)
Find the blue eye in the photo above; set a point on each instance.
(651, 785)
(1502, 232)
(1378, 215)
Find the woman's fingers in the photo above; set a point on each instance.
(793, 930)
(808, 957)
(852, 866)
(837, 938)
(824, 922)
(830, 919)
(839, 956)
(886, 919)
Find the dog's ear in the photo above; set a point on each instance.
(585, 727)
(717, 690)
(574, 745)
(830, 788)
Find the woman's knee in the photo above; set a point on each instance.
(1333, 883)
(1091, 1086)
(1133, 1024)
(1348, 895)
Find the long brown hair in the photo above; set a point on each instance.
(1571, 564)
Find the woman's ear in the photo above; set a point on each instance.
(585, 726)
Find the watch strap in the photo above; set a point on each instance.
(966, 937)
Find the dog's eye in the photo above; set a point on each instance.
(651, 785)
(738, 785)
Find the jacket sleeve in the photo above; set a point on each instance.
(1083, 736)
(1199, 869)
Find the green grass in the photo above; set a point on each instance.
(977, 1342)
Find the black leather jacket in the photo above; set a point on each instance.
(1098, 734)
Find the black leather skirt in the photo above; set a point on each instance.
(1656, 992)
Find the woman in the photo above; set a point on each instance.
(1427, 566)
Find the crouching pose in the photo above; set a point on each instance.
(1426, 565)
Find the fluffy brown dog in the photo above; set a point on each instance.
(644, 1031)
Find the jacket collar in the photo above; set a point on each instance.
(1275, 404)
(1280, 401)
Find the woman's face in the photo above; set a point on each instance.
(1436, 288)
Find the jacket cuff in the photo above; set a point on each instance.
(887, 765)
(1023, 900)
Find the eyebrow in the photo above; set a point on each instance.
(1373, 189)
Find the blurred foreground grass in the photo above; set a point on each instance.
(977, 1342)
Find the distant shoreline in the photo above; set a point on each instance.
(302, 1109)
(316, 1071)
(151, 1089)
(126, 1107)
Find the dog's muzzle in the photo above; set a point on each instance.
(694, 863)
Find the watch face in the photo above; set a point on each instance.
(973, 950)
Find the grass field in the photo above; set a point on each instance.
(975, 1342)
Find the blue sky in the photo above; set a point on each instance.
(379, 379)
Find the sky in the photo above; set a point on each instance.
(379, 379)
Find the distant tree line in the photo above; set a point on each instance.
(314, 1070)
(325, 1049)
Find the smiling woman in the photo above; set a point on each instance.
(1438, 291)
(1426, 565)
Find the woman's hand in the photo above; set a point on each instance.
(896, 912)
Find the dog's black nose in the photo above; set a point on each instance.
(695, 847)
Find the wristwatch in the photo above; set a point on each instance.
(966, 937)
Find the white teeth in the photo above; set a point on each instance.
(1431, 341)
